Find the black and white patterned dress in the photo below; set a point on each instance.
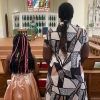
(65, 79)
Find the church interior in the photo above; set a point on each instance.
(15, 18)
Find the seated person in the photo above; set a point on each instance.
(22, 65)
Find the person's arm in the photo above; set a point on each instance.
(7, 66)
(84, 52)
(36, 68)
(47, 53)
(85, 49)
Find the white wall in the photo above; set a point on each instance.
(0, 13)
(79, 9)
(11, 6)
(57, 3)
(52, 5)
(14, 6)
(21, 6)
(3, 10)
(90, 2)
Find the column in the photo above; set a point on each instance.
(2, 18)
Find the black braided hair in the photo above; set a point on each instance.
(21, 60)
(65, 14)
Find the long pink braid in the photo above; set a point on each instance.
(26, 57)
(20, 67)
(24, 53)
(15, 50)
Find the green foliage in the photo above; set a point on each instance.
(91, 25)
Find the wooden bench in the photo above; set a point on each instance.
(3, 79)
(92, 76)
(1, 98)
(95, 49)
(94, 43)
(93, 83)
(95, 39)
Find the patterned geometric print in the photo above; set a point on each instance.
(75, 81)
(67, 83)
(72, 45)
(81, 38)
(70, 36)
(61, 74)
(74, 57)
(66, 92)
(67, 73)
(57, 97)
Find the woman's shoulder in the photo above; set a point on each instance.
(76, 28)
(53, 34)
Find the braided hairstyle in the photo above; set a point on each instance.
(21, 60)
(65, 14)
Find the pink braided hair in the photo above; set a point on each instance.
(24, 51)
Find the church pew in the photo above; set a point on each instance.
(3, 79)
(95, 49)
(90, 74)
(93, 83)
(94, 43)
(90, 84)
(34, 52)
(94, 39)
(3, 82)
(89, 63)
(41, 77)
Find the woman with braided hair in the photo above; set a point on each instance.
(21, 63)
(65, 50)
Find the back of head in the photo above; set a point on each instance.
(21, 60)
(65, 14)
(65, 11)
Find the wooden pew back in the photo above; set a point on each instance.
(92, 78)
(89, 63)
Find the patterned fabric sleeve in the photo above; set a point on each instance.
(85, 36)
